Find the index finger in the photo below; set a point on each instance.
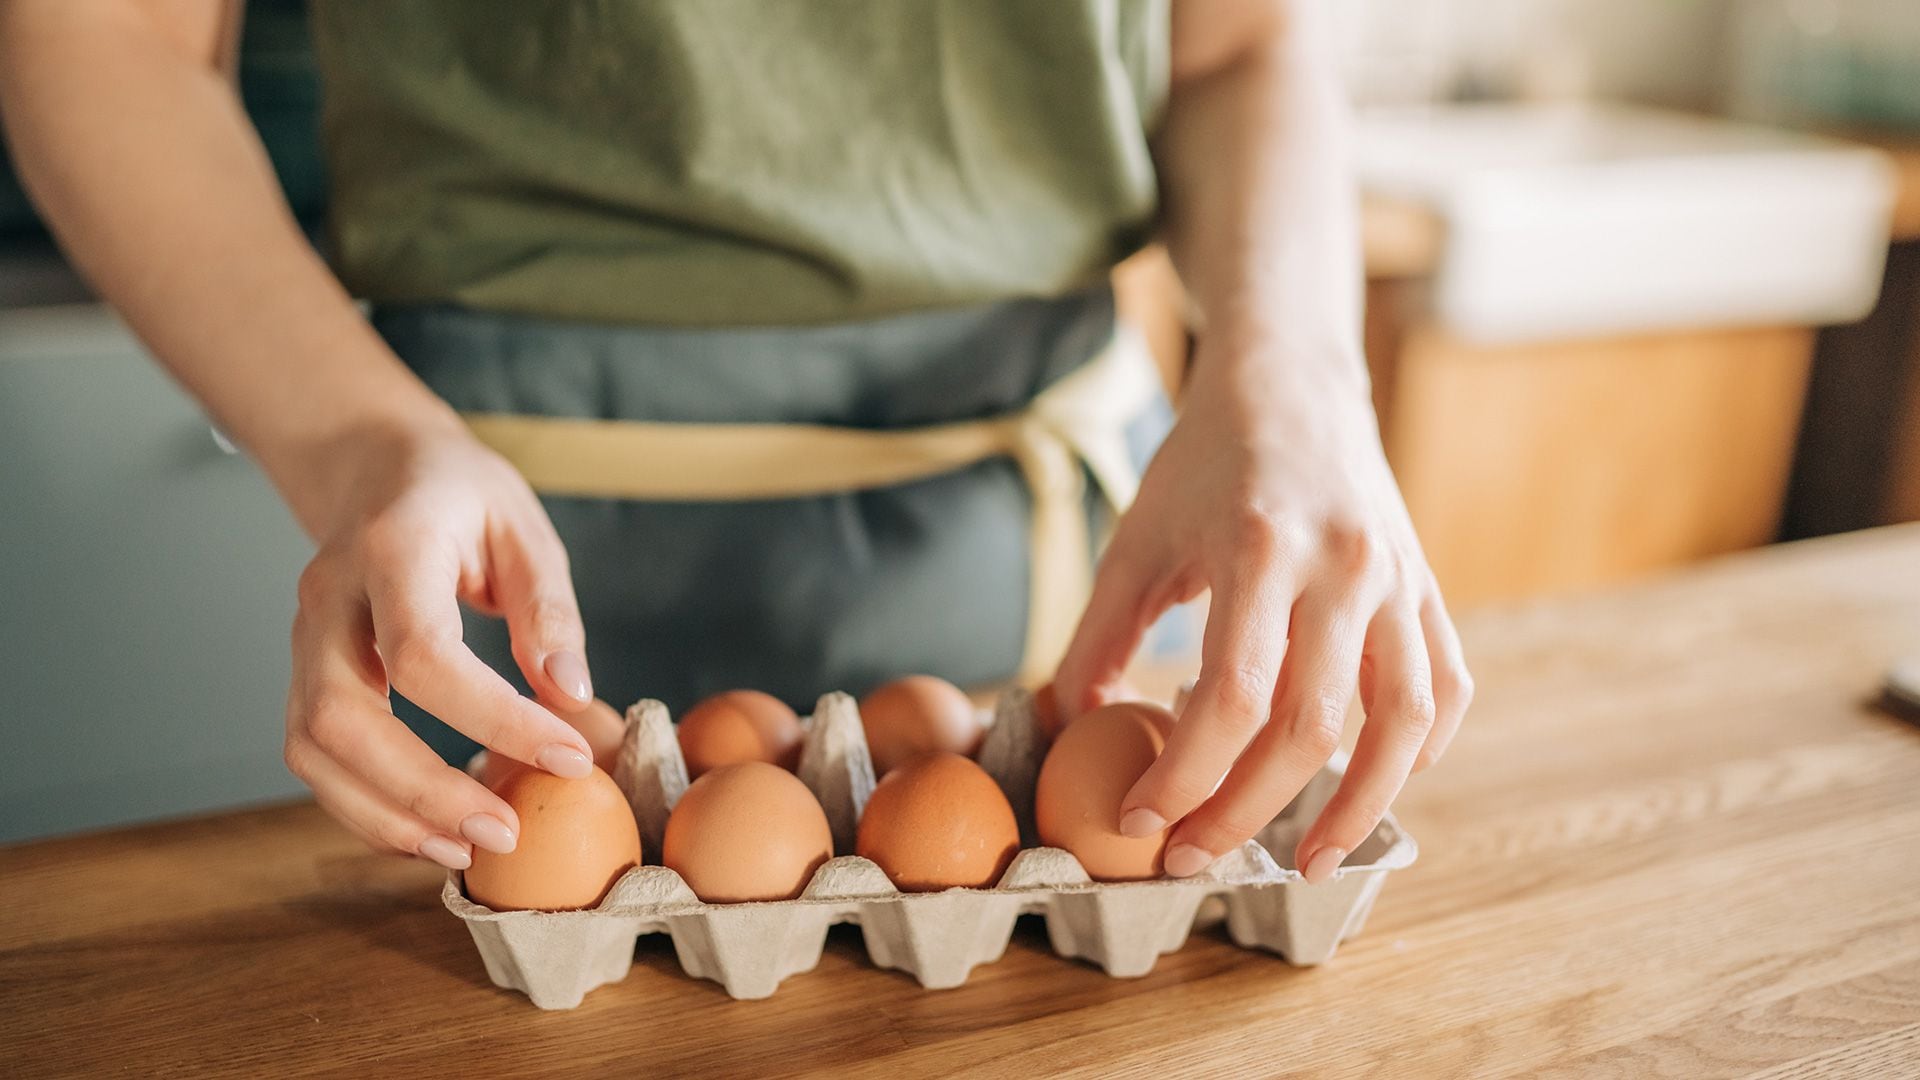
(416, 621)
(1240, 654)
(338, 708)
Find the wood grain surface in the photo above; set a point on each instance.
(1675, 839)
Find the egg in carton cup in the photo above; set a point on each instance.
(556, 957)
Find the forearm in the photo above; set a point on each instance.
(145, 166)
(1261, 213)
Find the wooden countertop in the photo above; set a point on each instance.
(1674, 840)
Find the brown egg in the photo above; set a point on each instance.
(749, 831)
(736, 726)
(1092, 765)
(919, 714)
(576, 838)
(939, 822)
(604, 729)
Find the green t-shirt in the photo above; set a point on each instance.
(736, 162)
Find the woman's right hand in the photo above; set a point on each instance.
(410, 525)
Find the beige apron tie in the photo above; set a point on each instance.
(1080, 418)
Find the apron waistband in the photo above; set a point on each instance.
(1080, 419)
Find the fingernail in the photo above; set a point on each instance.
(569, 672)
(445, 852)
(488, 832)
(1323, 864)
(1185, 860)
(564, 761)
(1141, 821)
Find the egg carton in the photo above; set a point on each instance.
(555, 958)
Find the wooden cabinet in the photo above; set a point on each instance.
(1537, 468)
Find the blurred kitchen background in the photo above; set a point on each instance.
(1644, 288)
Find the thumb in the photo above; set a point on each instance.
(1118, 614)
(534, 588)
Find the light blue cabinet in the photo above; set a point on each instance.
(146, 590)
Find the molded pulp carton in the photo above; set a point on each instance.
(938, 938)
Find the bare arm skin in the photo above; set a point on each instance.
(1272, 490)
(127, 131)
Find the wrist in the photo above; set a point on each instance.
(1273, 365)
(322, 470)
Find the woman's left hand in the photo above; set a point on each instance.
(1272, 491)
